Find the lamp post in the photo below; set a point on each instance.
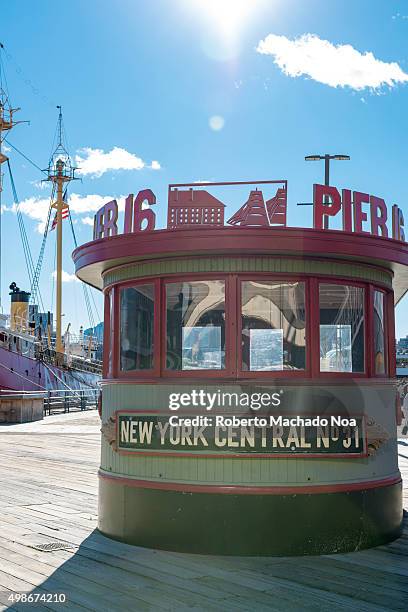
(327, 159)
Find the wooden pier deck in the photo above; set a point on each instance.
(48, 493)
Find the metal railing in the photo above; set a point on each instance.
(62, 400)
(25, 341)
(73, 362)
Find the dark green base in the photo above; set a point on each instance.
(212, 523)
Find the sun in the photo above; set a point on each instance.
(222, 24)
(228, 16)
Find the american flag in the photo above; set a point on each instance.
(65, 215)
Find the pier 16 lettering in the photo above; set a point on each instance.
(138, 216)
(137, 432)
(360, 212)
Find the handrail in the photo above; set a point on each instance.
(56, 392)
(59, 400)
(64, 401)
(37, 350)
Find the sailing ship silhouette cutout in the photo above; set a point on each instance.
(258, 213)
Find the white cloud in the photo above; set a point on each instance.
(40, 184)
(333, 65)
(95, 162)
(89, 203)
(88, 221)
(66, 277)
(216, 122)
(36, 208)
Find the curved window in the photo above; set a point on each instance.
(266, 317)
(379, 333)
(137, 328)
(195, 325)
(341, 328)
(273, 325)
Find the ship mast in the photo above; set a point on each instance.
(6, 125)
(60, 172)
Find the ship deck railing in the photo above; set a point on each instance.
(23, 343)
(74, 362)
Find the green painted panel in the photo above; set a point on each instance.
(376, 402)
(248, 264)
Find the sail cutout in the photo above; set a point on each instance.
(276, 208)
(253, 212)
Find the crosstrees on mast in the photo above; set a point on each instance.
(60, 173)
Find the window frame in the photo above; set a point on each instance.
(367, 321)
(267, 277)
(155, 371)
(373, 374)
(107, 365)
(230, 346)
(391, 371)
(233, 328)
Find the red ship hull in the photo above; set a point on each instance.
(21, 373)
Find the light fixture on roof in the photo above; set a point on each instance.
(327, 159)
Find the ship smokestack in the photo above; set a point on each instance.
(19, 308)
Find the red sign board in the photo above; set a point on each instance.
(360, 212)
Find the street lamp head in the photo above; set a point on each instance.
(313, 157)
(343, 157)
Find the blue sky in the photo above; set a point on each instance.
(147, 77)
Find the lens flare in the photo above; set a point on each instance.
(228, 16)
(222, 22)
(216, 123)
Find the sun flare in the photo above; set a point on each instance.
(228, 16)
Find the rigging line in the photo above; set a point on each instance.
(3, 77)
(95, 306)
(24, 77)
(53, 146)
(72, 228)
(26, 245)
(59, 379)
(22, 376)
(87, 304)
(89, 307)
(26, 248)
(36, 279)
(65, 138)
(25, 157)
(84, 287)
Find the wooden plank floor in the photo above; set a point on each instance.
(48, 493)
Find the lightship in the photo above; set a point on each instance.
(34, 357)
